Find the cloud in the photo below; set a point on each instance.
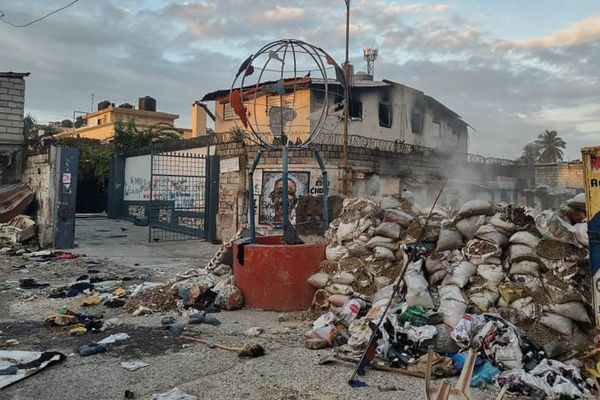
(582, 32)
(509, 90)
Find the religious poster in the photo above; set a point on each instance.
(271, 199)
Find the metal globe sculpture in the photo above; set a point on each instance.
(284, 94)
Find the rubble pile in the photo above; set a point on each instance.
(508, 281)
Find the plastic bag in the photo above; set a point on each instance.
(360, 333)
(460, 274)
(352, 309)
(552, 226)
(324, 325)
(389, 230)
(464, 330)
(581, 234)
(485, 373)
(335, 252)
(449, 239)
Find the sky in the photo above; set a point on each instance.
(510, 68)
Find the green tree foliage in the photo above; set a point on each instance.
(531, 154)
(66, 123)
(127, 136)
(79, 122)
(551, 146)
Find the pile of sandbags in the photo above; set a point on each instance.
(524, 265)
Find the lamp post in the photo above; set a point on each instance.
(345, 186)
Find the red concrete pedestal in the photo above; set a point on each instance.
(273, 275)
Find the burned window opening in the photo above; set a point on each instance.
(355, 111)
(385, 115)
(416, 122)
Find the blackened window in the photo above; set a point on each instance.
(385, 115)
(416, 120)
(356, 109)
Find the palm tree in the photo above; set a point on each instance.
(551, 145)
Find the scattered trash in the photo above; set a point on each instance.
(118, 337)
(253, 332)
(91, 300)
(26, 363)
(141, 310)
(78, 330)
(92, 348)
(252, 351)
(29, 283)
(174, 394)
(11, 342)
(167, 320)
(202, 318)
(133, 365)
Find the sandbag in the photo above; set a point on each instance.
(577, 202)
(343, 278)
(338, 300)
(356, 249)
(483, 298)
(453, 304)
(460, 274)
(552, 226)
(382, 281)
(417, 289)
(511, 291)
(526, 306)
(389, 230)
(573, 215)
(493, 274)
(491, 234)
(336, 288)
(437, 277)
(334, 252)
(526, 238)
(383, 253)
(449, 239)
(318, 280)
(398, 217)
(502, 226)
(346, 231)
(559, 324)
(388, 202)
(525, 267)
(477, 207)
(480, 251)
(468, 226)
(573, 310)
(380, 241)
(437, 261)
(520, 252)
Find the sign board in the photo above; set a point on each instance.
(229, 165)
(591, 177)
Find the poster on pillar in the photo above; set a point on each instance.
(271, 198)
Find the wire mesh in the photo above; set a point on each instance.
(177, 196)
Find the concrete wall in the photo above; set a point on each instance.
(38, 175)
(12, 95)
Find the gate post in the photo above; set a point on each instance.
(65, 183)
(211, 202)
(116, 186)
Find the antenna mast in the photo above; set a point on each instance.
(370, 55)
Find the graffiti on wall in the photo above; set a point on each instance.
(226, 200)
(271, 198)
(138, 188)
(185, 192)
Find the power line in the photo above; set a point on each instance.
(2, 14)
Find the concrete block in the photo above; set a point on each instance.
(18, 99)
(16, 92)
(5, 97)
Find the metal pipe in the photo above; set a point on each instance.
(345, 185)
(251, 210)
(284, 177)
(325, 187)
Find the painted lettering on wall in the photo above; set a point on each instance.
(138, 188)
(226, 201)
(317, 188)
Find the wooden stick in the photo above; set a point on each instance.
(382, 368)
(216, 345)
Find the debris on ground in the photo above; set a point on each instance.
(505, 281)
(20, 229)
(16, 365)
(133, 365)
(174, 394)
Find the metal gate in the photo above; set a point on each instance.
(178, 196)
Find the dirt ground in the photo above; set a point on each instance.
(287, 371)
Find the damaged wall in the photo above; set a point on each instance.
(38, 174)
(563, 174)
(12, 99)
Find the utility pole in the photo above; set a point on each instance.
(345, 186)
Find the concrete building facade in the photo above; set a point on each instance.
(12, 140)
